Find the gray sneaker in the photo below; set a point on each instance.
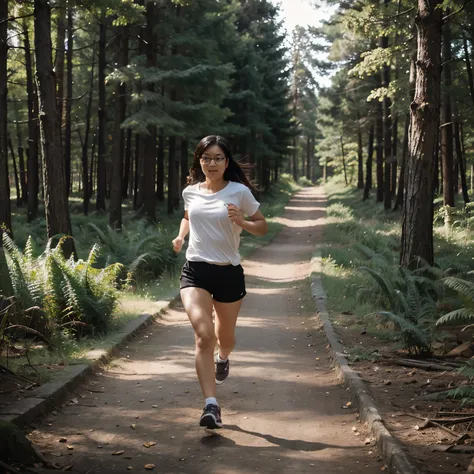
(222, 371)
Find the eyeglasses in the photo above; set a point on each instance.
(217, 160)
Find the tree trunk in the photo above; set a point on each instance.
(5, 205)
(59, 60)
(395, 160)
(401, 181)
(344, 162)
(56, 205)
(147, 188)
(460, 158)
(128, 161)
(21, 162)
(360, 158)
(68, 99)
(368, 165)
(33, 132)
(184, 162)
(136, 175)
(417, 227)
(379, 149)
(160, 181)
(86, 183)
(308, 158)
(15, 172)
(171, 173)
(447, 122)
(118, 144)
(470, 79)
(101, 166)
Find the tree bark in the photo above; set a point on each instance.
(470, 79)
(368, 165)
(56, 204)
(401, 181)
(5, 205)
(86, 182)
(417, 227)
(184, 162)
(160, 180)
(68, 99)
(379, 149)
(171, 173)
(344, 162)
(59, 60)
(461, 157)
(395, 160)
(21, 162)
(101, 166)
(447, 159)
(127, 166)
(360, 157)
(118, 145)
(33, 131)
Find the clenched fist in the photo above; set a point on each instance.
(178, 244)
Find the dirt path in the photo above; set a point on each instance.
(281, 407)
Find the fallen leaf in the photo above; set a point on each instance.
(118, 453)
(129, 468)
(133, 426)
(70, 447)
(149, 467)
(149, 444)
(62, 440)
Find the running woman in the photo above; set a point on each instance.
(216, 201)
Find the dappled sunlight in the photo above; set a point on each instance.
(302, 223)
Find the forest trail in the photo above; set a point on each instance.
(282, 406)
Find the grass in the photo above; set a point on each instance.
(353, 224)
(147, 295)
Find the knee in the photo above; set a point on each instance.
(206, 341)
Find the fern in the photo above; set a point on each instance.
(413, 337)
(457, 317)
(463, 287)
(384, 284)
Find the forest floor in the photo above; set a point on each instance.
(283, 409)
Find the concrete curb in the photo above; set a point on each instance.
(391, 449)
(56, 392)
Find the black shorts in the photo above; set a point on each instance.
(225, 283)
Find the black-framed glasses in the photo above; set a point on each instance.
(217, 159)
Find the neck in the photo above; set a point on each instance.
(215, 186)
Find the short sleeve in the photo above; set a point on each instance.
(249, 204)
(185, 195)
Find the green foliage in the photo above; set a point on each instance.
(412, 302)
(69, 293)
(464, 315)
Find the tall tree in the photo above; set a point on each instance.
(417, 227)
(56, 203)
(5, 205)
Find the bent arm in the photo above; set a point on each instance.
(256, 225)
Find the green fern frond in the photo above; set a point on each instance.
(384, 284)
(463, 287)
(457, 317)
(412, 334)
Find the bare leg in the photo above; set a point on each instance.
(198, 306)
(226, 319)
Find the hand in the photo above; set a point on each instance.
(178, 244)
(235, 215)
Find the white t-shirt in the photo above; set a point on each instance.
(213, 237)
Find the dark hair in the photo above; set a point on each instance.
(233, 172)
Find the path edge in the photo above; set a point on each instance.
(393, 454)
(52, 394)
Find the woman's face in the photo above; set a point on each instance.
(214, 163)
